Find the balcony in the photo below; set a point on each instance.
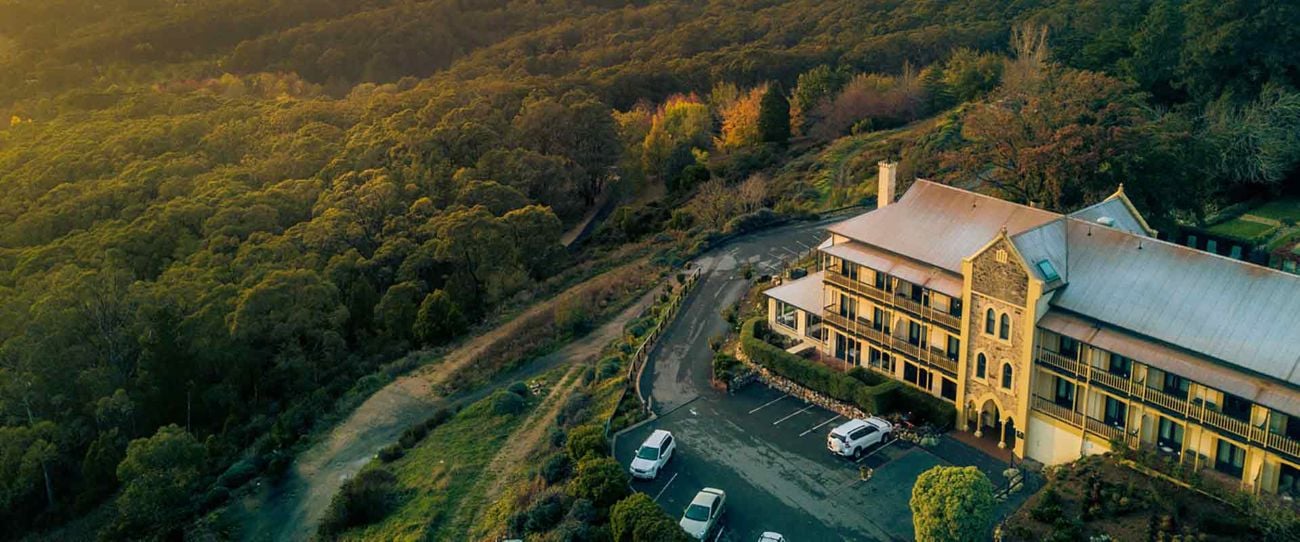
(1059, 412)
(1226, 423)
(1063, 363)
(1284, 444)
(1109, 432)
(889, 299)
(1113, 381)
(1160, 398)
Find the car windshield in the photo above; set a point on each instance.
(648, 452)
(697, 512)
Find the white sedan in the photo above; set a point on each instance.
(702, 515)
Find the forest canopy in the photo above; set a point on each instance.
(220, 215)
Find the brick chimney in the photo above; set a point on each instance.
(887, 183)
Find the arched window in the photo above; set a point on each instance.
(1007, 375)
(1004, 327)
(988, 322)
(981, 366)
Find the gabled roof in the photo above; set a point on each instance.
(1223, 308)
(940, 225)
(1119, 211)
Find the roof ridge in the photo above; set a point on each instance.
(987, 196)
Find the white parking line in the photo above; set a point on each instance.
(796, 413)
(877, 450)
(814, 428)
(769, 403)
(665, 488)
(719, 536)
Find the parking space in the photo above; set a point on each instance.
(768, 452)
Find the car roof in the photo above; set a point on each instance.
(656, 438)
(706, 496)
(849, 427)
(769, 535)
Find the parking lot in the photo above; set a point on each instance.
(768, 452)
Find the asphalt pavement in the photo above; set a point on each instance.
(765, 449)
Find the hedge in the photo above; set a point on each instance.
(887, 395)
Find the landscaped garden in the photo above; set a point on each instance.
(1105, 497)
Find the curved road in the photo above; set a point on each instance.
(681, 361)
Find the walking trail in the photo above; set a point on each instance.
(291, 509)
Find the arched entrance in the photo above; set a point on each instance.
(990, 421)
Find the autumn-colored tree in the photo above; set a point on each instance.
(740, 120)
(682, 122)
(870, 102)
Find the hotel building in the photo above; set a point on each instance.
(1061, 335)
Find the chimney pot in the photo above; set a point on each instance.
(887, 183)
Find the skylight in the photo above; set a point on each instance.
(1048, 270)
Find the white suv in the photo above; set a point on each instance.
(853, 437)
(653, 454)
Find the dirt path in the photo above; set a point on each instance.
(292, 509)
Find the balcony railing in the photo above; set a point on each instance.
(890, 299)
(1284, 444)
(1104, 429)
(1059, 412)
(1114, 381)
(1152, 395)
(1061, 362)
(1226, 423)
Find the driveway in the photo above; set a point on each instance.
(765, 449)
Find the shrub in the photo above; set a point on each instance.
(391, 453)
(415, 433)
(952, 504)
(238, 473)
(574, 409)
(1048, 507)
(557, 437)
(638, 519)
(556, 468)
(544, 513)
(724, 367)
(609, 368)
(819, 378)
(600, 479)
(506, 403)
(519, 388)
(586, 440)
(362, 500)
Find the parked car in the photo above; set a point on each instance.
(853, 437)
(653, 454)
(702, 515)
(771, 537)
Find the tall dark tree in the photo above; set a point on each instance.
(774, 116)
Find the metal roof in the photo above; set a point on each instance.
(927, 276)
(804, 293)
(1171, 359)
(940, 225)
(1117, 209)
(1226, 309)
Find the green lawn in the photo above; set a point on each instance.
(438, 474)
(1283, 209)
(1243, 230)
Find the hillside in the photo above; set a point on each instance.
(224, 220)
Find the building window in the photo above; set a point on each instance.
(786, 315)
(1236, 252)
(849, 269)
(1001, 256)
(1191, 241)
(981, 366)
(1120, 365)
(1064, 393)
(1236, 407)
(1116, 413)
(881, 280)
(1176, 386)
(1212, 246)
(1007, 376)
(954, 307)
(1004, 328)
(909, 372)
(1230, 458)
(948, 389)
(954, 348)
(1170, 436)
(878, 320)
(990, 320)
(886, 362)
(1069, 348)
(848, 307)
(1048, 270)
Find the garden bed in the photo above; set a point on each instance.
(1243, 230)
(1099, 496)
